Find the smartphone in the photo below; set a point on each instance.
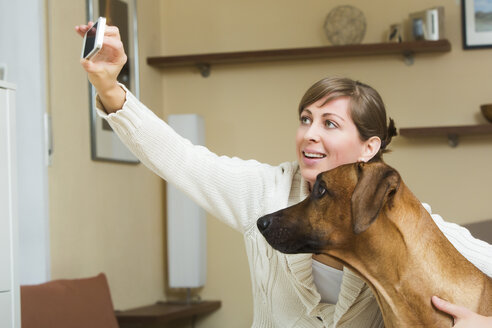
(93, 38)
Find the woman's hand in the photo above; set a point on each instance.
(463, 318)
(103, 68)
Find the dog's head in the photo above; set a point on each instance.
(344, 202)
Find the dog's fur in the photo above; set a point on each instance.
(363, 215)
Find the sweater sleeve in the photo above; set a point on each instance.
(475, 250)
(231, 189)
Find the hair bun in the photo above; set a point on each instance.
(392, 129)
(392, 132)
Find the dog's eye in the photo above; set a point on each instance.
(320, 190)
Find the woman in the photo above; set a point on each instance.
(341, 121)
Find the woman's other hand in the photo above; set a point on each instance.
(104, 67)
(463, 318)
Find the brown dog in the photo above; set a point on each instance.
(364, 216)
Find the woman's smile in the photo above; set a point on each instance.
(311, 157)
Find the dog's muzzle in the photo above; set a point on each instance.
(284, 235)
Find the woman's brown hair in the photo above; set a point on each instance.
(366, 107)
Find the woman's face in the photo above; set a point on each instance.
(327, 137)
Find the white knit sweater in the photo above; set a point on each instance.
(238, 192)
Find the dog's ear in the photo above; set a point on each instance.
(376, 184)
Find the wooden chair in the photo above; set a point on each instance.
(68, 303)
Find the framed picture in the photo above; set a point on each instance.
(477, 23)
(105, 144)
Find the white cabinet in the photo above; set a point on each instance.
(9, 283)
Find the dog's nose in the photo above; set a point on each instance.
(263, 223)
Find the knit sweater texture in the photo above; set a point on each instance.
(238, 192)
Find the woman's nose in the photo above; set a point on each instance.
(312, 134)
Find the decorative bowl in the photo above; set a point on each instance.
(487, 111)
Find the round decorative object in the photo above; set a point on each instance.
(345, 25)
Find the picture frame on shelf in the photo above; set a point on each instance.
(105, 144)
(427, 24)
(476, 23)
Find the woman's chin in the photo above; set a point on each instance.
(309, 177)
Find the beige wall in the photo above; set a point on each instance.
(109, 217)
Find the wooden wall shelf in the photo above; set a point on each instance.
(451, 132)
(203, 61)
(163, 312)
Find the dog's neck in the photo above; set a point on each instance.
(411, 238)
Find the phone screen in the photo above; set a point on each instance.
(90, 40)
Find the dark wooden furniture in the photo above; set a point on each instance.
(203, 61)
(481, 230)
(164, 312)
(451, 132)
